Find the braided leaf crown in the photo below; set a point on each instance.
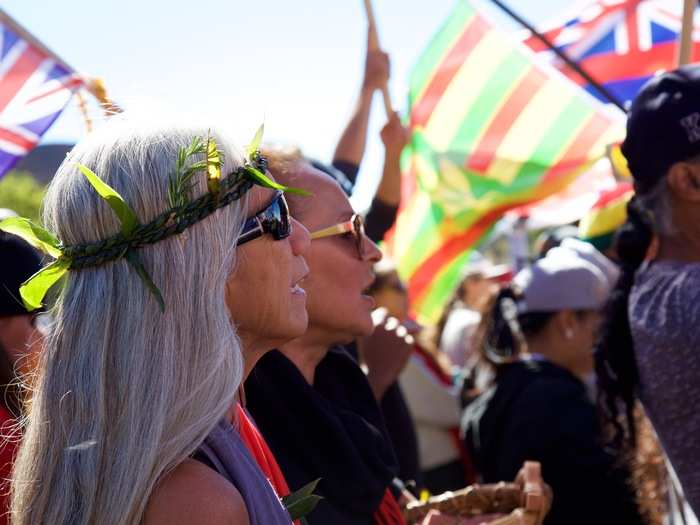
(182, 214)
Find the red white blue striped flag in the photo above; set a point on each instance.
(34, 89)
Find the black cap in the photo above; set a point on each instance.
(337, 175)
(18, 262)
(663, 125)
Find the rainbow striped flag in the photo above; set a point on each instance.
(492, 129)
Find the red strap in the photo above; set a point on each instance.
(9, 442)
(431, 364)
(261, 452)
(388, 512)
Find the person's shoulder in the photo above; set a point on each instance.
(194, 493)
(546, 386)
(663, 277)
(461, 316)
(666, 294)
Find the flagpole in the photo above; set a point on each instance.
(25, 35)
(567, 60)
(685, 38)
(373, 45)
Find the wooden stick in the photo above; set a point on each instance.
(373, 45)
(685, 38)
(82, 106)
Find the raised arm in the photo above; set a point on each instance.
(385, 205)
(351, 146)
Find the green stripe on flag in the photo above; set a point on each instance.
(565, 126)
(488, 102)
(445, 284)
(425, 236)
(439, 46)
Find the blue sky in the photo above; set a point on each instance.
(295, 65)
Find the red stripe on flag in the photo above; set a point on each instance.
(579, 149)
(409, 183)
(537, 45)
(71, 84)
(447, 69)
(632, 25)
(423, 276)
(611, 67)
(485, 152)
(613, 195)
(18, 74)
(14, 138)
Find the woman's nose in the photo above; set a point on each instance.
(299, 238)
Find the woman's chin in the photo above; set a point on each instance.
(298, 326)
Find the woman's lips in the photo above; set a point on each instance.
(298, 290)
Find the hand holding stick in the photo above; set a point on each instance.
(373, 45)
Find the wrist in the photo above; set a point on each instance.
(392, 154)
(379, 383)
(368, 89)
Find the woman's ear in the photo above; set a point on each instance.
(684, 181)
(566, 323)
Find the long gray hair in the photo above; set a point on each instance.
(124, 393)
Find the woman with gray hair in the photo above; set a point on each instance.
(173, 290)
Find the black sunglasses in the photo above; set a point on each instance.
(274, 219)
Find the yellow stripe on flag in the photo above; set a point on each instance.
(527, 131)
(605, 220)
(465, 88)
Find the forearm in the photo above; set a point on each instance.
(380, 383)
(351, 146)
(389, 190)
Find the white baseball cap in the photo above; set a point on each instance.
(562, 280)
(591, 254)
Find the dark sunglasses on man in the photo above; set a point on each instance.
(274, 219)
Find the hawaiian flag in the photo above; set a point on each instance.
(491, 130)
(34, 89)
(620, 43)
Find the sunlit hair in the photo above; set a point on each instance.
(124, 393)
(285, 164)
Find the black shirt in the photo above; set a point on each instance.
(539, 411)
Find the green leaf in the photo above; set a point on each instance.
(303, 506)
(34, 289)
(33, 234)
(308, 489)
(126, 215)
(214, 163)
(263, 180)
(302, 501)
(255, 143)
(133, 259)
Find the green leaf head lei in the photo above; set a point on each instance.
(183, 212)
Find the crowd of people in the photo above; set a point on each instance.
(228, 338)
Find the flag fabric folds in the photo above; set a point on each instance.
(34, 89)
(490, 130)
(606, 216)
(620, 43)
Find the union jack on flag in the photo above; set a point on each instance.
(34, 89)
(620, 43)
